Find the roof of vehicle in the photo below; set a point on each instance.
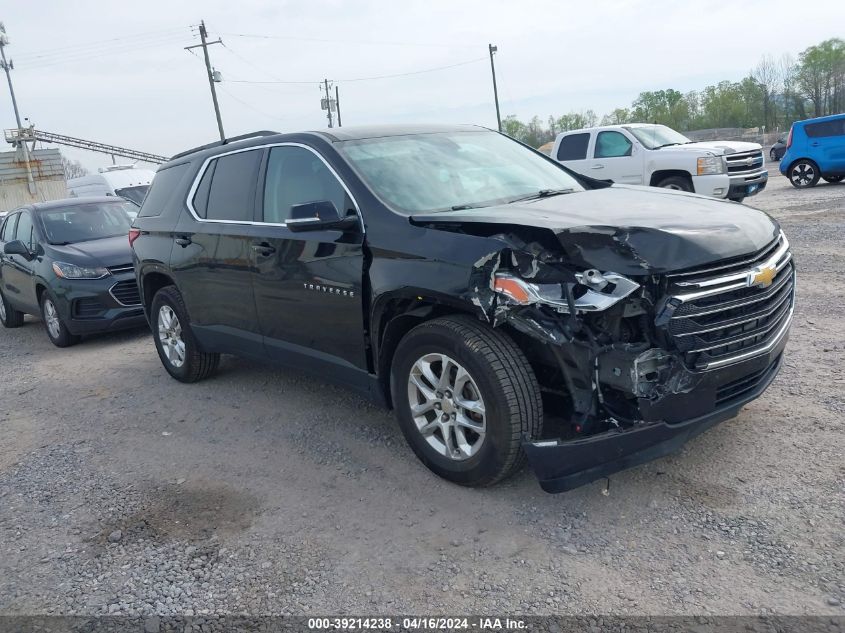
(73, 202)
(333, 135)
(606, 127)
(821, 119)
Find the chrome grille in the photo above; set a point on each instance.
(123, 268)
(126, 293)
(744, 162)
(720, 319)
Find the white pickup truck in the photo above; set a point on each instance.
(656, 155)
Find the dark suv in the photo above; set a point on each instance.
(502, 305)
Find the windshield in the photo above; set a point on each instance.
(654, 136)
(91, 221)
(441, 171)
(134, 194)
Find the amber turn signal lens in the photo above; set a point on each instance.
(512, 288)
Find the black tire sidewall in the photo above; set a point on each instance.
(490, 459)
(13, 317)
(167, 296)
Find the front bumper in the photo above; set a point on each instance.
(748, 184)
(89, 306)
(564, 465)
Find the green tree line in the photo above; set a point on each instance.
(775, 93)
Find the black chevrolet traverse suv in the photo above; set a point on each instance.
(502, 305)
(68, 262)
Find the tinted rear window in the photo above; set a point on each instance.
(164, 185)
(826, 128)
(573, 147)
(232, 193)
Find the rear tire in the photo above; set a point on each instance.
(496, 402)
(676, 183)
(803, 174)
(9, 317)
(773, 155)
(833, 179)
(175, 343)
(57, 331)
(737, 199)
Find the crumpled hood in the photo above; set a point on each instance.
(625, 229)
(719, 147)
(109, 251)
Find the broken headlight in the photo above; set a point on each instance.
(595, 291)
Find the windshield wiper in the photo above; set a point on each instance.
(463, 207)
(543, 193)
(665, 145)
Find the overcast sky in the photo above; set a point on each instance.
(117, 72)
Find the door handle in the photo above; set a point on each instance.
(183, 240)
(816, 144)
(597, 167)
(263, 249)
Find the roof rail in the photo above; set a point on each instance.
(233, 139)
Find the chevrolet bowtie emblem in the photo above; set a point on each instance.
(762, 276)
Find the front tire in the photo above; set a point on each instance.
(57, 331)
(676, 183)
(9, 317)
(175, 343)
(773, 155)
(803, 174)
(466, 397)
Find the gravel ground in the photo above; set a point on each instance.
(261, 491)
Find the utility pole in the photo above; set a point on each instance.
(205, 44)
(492, 50)
(337, 101)
(326, 102)
(9, 66)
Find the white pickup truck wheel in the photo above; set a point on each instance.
(677, 183)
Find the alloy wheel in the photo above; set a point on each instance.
(170, 336)
(2, 309)
(446, 406)
(51, 317)
(802, 174)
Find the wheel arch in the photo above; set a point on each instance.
(662, 174)
(151, 283)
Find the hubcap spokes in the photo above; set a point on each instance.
(447, 406)
(2, 309)
(52, 318)
(170, 336)
(803, 174)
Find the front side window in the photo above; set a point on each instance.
(441, 171)
(612, 145)
(24, 230)
(85, 222)
(296, 175)
(8, 232)
(573, 147)
(231, 195)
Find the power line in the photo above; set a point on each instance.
(95, 54)
(52, 52)
(343, 41)
(376, 77)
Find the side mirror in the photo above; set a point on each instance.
(16, 247)
(321, 215)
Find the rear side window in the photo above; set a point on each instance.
(231, 196)
(826, 128)
(573, 147)
(164, 186)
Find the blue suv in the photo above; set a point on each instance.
(815, 149)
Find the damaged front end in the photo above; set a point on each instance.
(617, 389)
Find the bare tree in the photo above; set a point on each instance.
(73, 168)
(767, 75)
